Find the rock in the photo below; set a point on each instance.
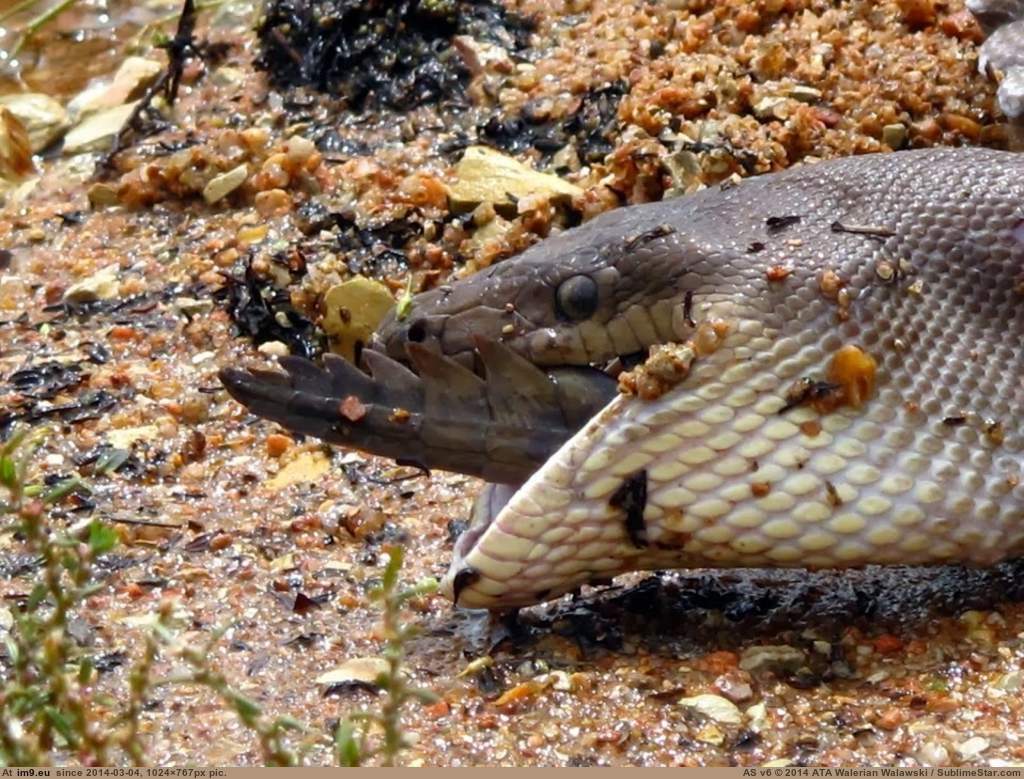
(714, 707)
(102, 195)
(1011, 93)
(734, 687)
(772, 658)
(1009, 682)
(685, 169)
(710, 734)
(758, 716)
(124, 437)
(274, 349)
(481, 56)
(193, 306)
(805, 94)
(972, 747)
(102, 285)
(352, 310)
(44, 118)
(129, 83)
(223, 185)
(894, 135)
(307, 467)
(772, 107)
(933, 754)
(228, 76)
(363, 670)
(484, 175)
(97, 131)
(15, 149)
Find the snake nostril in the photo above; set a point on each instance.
(417, 332)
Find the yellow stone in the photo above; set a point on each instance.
(484, 175)
(307, 467)
(352, 311)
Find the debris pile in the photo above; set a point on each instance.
(380, 53)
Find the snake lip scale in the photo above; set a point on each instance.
(833, 378)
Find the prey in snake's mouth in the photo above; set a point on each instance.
(488, 378)
(727, 447)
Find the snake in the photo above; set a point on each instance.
(816, 368)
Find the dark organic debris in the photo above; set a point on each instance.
(589, 128)
(679, 609)
(108, 662)
(146, 119)
(777, 224)
(265, 313)
(89, 405)
(378, 251)
(46, 380)
(631, 499)
(393, 53)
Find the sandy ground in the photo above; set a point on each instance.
(283, 538)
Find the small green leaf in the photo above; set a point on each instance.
(12, 443)
(427, 696)
(346, 749)
(8, 471)
(111, 460)
(61, 725)
(247, 709)
(37, 596)
(64, 488)
(404, 305)
(289, 723)
(13, 654)
(101, 538)
(394, 565)
(85, 670)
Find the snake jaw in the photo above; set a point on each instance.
(731, 467)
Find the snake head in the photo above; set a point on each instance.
(573, 300)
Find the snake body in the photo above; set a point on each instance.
(913, 260)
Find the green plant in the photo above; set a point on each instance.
(47, 700)
(351, 742)
(270, 733)
(48, 703)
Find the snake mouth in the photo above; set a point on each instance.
(499, 422)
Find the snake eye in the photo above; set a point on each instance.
(576, 297)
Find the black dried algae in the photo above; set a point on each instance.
(381, 53)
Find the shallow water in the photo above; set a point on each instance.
(88, 40)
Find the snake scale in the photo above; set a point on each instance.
(824, 368)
